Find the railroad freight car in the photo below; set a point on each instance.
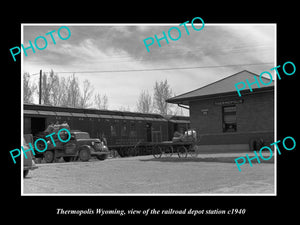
(123, 131)
(177, 123)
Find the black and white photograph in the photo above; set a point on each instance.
(149, 117)
(151, 109)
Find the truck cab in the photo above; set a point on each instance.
(80, 146)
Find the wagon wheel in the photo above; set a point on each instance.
(156, 151)
(182, 151)
(168, 151)
(192, 150)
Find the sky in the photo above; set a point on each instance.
(108, 48)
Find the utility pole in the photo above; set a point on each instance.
(40, 92)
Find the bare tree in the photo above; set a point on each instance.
(101, 102)
(50, 89)
(87, 93)
(97, 101)
(28, 89)
(66, 92)
(46, 89)
(105, 102)
(62, 93)
(162, 92)
(124, 108)
(144, 104)
(56, 91)
(178, 111)
(73, 91)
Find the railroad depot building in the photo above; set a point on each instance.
(226, 122)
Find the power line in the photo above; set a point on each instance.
(159, 69)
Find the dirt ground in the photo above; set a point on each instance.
(206, 174)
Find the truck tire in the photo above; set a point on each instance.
(120, 152)
(84, 155)
(101, 157)
(49, 156)
(68, 158)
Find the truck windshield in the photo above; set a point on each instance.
(82, 136)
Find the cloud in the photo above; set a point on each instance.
(113, 44)
(108, 47)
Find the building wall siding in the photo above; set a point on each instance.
(210, 123)
(255, 119)
(256, 113)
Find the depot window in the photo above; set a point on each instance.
(229, 118)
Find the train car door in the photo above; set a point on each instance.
(175, 127)
(149, 132)
(38, 124)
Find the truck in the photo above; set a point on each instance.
(80, 146)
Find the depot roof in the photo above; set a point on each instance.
(224, 87)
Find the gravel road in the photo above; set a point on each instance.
(210, 174)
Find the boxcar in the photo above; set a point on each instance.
(117, 127)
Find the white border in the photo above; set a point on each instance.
(275, 112)
(22, 114)
(152, 24)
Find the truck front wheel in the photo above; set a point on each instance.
(84, 155)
